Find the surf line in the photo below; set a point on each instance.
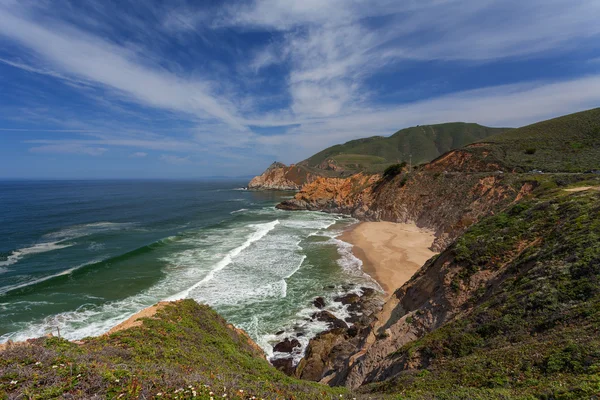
(261, 232)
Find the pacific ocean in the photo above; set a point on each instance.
(82, 256)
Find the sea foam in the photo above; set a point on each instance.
(16, 255)
(260, 232)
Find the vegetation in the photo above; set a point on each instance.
(188, 351)
(566, 144)
(424, 143)
(393, 170)
(534, 330)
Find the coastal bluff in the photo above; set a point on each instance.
(281, 177)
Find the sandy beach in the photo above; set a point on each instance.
(391, 252)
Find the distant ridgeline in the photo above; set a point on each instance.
(372, 155)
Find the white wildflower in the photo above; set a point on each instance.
(13, 382)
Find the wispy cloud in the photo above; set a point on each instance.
(308, 78)
(85, 56)
(69, 148)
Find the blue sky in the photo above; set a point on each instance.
(185, 89)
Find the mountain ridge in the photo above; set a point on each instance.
(415, 145)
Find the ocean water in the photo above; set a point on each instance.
(82, 256)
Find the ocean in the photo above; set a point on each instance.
(82, 256)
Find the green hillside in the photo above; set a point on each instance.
(186, 351)
(565, 144)
(424, 143)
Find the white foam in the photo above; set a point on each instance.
(261, 231)
(77, 231)
(3, 270)
(235, 270)
(7, 289)
(16, 255)
(239, 211)
(288, 276)
(87, 320)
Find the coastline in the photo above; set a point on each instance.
(391, 252)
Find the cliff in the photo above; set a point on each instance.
(509, 308)
(515, 300)
(281, 177)
(436, 196)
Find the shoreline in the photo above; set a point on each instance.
(391, 253)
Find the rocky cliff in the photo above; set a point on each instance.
(508, 308)
(446, 195)
(281, 177)
(513, 301)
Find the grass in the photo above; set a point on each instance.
(187, 352)
(424, 143)
(566, 144)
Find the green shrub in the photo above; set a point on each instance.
(393, 170)
(530, 150)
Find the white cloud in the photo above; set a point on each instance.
(69, 148)
(328, 49)
(138, 154)
(502, 106)
(88, 57)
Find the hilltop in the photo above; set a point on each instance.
(418, 144)
(565, 144)
(422, 142)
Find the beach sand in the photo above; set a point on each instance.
(391, 252)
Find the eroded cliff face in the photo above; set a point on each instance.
(436, 196)
(448, 195)
(274, 178)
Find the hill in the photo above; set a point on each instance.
(510, 307)
(185, 351)
(424, 143)
(418, 144)
(565, 144)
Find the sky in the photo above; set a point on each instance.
(95, 89)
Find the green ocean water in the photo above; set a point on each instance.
(83, 256)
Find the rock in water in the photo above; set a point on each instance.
(319, 302)
(287, 346)
(332, 320)
(350, 298)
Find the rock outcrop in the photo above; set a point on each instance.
(435, 196)
(281, 177)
